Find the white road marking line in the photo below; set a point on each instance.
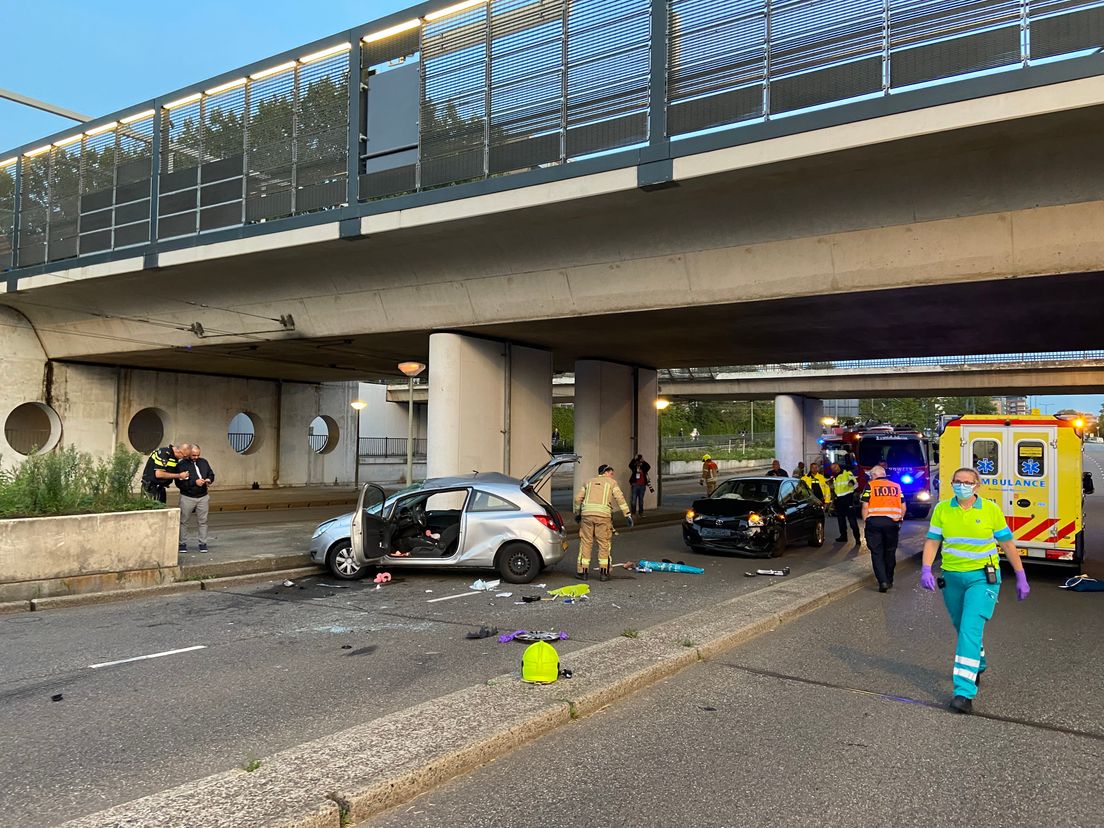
(142, 658)
(450, 597)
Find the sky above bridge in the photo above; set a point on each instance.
(95, 58)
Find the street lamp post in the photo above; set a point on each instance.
(357, 406)
(660, 405)
(411, 369)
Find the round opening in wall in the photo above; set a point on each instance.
(242, 432)
(32, 428)
(147, 429)
(323, 434)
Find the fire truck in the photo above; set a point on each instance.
(902, 450)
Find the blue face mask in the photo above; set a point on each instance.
(963, 491)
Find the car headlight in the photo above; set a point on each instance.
(322, 527)
(924, 496)
(690, 515)
(755, 520)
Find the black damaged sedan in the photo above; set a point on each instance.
(755, 516)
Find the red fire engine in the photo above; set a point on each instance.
(902, 451)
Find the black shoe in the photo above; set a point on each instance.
(883, 587)
(603, 575)
(842, 540)
(961, 704)
(582, 576)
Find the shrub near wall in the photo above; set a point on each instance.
(69, 482)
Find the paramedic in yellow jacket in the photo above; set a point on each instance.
(593, 508)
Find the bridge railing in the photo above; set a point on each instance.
(449, 93)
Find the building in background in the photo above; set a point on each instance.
(1011, 405)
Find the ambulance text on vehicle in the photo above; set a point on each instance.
(1031, 466)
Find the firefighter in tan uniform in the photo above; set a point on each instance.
(593, 508)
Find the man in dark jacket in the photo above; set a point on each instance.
(638, 483)
(163, 467)
(193, 496)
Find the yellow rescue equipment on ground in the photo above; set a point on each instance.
(1030, 466)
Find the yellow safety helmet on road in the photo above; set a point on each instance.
(540, 663)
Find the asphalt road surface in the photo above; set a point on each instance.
(275, 666)
(838, 718)
(283, 665)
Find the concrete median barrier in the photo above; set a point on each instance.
(354, 774)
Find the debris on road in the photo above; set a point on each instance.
(346, 646)
(504, 595)
(777, 573)
(571, 591)
(1083, 583)
(383, 578)
(667, 566)
(289, 583)
(56, 697)
(483, 632)
(485, 586)
(450, 597)
(540, 664)
(533, 635)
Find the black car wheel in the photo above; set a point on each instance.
(816, 537)
(779, 543)
(518, 563)
(342, 564)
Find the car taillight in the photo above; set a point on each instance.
(550, 523)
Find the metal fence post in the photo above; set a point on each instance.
(155, 173)
(356, 118)
(658, 144)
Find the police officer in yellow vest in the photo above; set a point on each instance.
(883, 509)
(844, 484)
(593, 507)
(969, 528)
(818, 484)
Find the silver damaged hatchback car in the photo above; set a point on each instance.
(483, 520)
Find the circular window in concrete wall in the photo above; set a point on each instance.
(243, 432)
(147, 429)
(32, 428)
(323, 434)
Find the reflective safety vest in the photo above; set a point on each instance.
(844, 483)
(595, 497)
(818, 483)
(969, 535)
(884, 498)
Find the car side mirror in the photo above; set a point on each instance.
(1087, 483)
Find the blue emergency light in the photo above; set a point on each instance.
(906, 478)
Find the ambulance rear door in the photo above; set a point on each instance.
(1033, 517)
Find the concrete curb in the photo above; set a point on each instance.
(14, 606)
(257, 577)
(203, 570)
(85, 599)
(375, 766)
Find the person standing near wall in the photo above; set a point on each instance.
(163, 467)
(193, 496)
(638, 483)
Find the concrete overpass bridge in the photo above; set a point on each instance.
(504, 189)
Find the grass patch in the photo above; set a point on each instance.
(251, 764)
(630, 633)
(686, 642)
(71, 482)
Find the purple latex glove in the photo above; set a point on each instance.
(927, 580)
(1022, 589)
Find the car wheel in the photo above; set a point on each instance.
(518, 563)
(779, 543)
(342, 564)
(816, 537)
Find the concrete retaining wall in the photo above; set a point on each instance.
(675, 468)
(44, 557)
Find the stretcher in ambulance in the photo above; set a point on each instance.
(1031, 466)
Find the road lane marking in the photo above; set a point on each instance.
(144, 657)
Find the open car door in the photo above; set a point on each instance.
(369, 535)
(537, 477)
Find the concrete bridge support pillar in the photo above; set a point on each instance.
(490, 406)
(615, 419)
(796, 429)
